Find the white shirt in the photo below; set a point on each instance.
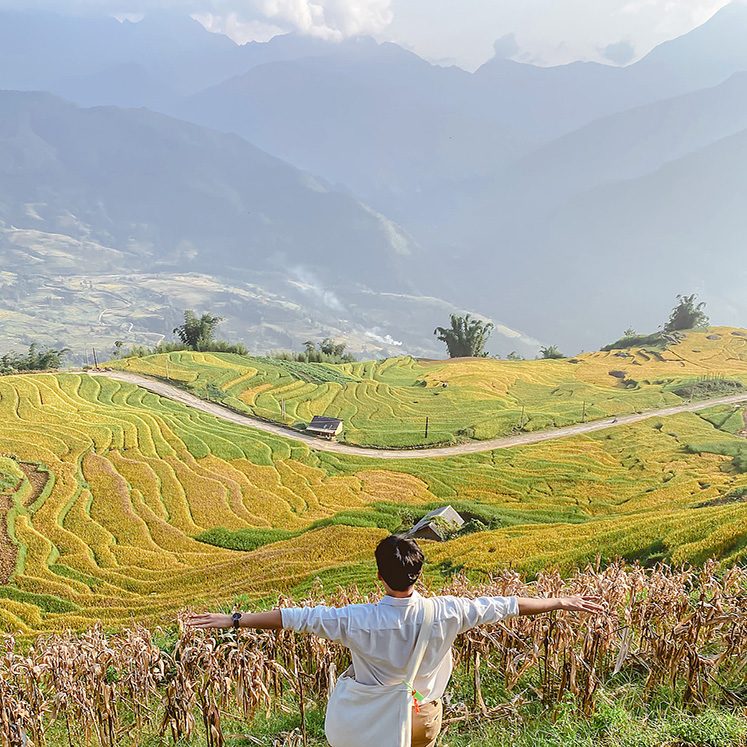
(381, 637)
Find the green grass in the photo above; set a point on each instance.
(622, 719)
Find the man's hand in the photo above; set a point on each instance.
(592, 605)
(209, 620)
(538, 605)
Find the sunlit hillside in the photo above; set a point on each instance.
(386, 403)
(104, 488)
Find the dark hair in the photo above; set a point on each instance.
(399, 560)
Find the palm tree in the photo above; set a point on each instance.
(687, 315)
(551, 351)
(197, 332)
(466, 337)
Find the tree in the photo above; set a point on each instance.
(326, 351)
(514, 356)
(629, 332)
(687, 314)
(328, 347)
(466, 337)
(197, 333)
(551, 352)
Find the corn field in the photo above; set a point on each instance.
(685, 629)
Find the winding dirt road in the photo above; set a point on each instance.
(523, 439)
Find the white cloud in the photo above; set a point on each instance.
(330, 19)
(447, 31)
(259, 20)
(241, 31)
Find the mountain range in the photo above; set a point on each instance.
(566, 202)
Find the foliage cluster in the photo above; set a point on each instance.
(687, 315)
(551, 352)
(326, 351)
(466, 337)
(195, 333)
(708, 388)
(654, 340)
(164, 348)
(38, 358)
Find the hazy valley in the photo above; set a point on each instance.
(390, 179)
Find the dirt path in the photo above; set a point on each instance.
(523, 439)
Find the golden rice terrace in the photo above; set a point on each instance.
(105, 488)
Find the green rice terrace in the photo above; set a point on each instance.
(386, 403)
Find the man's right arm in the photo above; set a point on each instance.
(271, 620)
(326, 622)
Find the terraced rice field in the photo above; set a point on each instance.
(386, 403)
(104, 486)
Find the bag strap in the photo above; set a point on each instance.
(422, 642)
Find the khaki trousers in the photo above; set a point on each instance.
(426, 725)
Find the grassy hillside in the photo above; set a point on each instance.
(105, 488)
(385, 403)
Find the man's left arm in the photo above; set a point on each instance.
(538, 605)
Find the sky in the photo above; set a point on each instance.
(462, 32)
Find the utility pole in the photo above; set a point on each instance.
(95, 362)
(167, 367)
(521, 423)
(282, 406)
(583, 415)
(426, 426)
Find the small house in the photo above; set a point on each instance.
(325, 427)
(437, 524)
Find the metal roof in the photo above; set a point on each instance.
(325, 424)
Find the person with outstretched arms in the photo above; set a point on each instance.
(400, 648)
